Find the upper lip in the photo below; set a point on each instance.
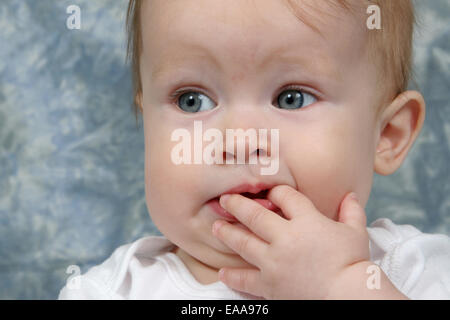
(246, 187)
(258, 190)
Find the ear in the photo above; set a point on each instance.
(400, 124)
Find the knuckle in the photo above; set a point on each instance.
(256, 215)
(288, 241)
(359, 233)
(270, 281)
(242, 280)
(271, 270)
(364, 233)
(242, 245)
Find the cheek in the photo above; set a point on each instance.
(331, 161)
(168, 185)
(159, 178)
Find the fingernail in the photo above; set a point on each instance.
(221, 272)
(354, 196)
(223, 200)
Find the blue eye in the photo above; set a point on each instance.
(294, 99)
(192, 102)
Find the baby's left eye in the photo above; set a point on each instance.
(294, 99)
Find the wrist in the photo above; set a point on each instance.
(364, 280)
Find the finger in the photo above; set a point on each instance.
(351, 212)
(290, 201)
(263, 222)
(241, 241)
(244, 280)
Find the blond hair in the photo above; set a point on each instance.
(390, 47)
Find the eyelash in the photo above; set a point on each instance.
(298, 88)
(178, 93)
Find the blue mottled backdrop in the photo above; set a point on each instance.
(72, 154)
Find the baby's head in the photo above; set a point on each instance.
(313, 70)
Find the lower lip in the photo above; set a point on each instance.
(216, 207)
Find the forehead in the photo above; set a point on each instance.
(240, 36)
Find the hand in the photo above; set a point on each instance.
(302, 256)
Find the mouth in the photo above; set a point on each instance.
(257, 193)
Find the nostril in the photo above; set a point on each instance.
(227, 157)
(260, 153)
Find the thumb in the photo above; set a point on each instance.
(351, 212)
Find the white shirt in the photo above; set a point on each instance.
(418, 264)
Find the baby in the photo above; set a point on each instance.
(333, 89)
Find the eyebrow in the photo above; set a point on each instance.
(320, 64)
(180, 58)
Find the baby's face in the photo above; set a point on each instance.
(237, 58)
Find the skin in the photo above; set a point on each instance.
(327, 149)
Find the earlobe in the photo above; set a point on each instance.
(400, 124)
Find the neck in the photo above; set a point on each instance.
(203, 273)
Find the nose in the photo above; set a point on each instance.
(246, 146)
(247, 139)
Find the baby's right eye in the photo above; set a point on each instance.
(192, 102)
